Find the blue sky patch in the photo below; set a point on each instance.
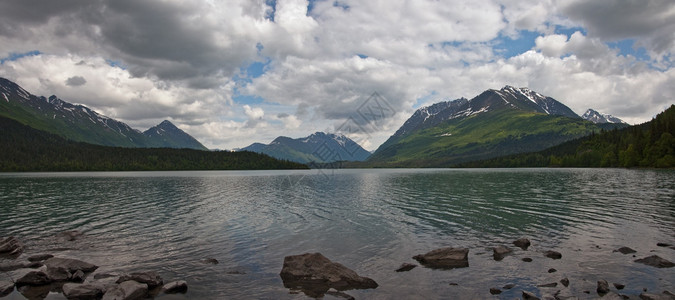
(507, 47)
(14, 56)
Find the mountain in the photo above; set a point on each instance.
(317, 148)
(168, 135)
(79, 123)
(494, 123)
(598, 118)
(26, 149)
(648, 145)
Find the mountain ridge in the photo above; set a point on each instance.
(318, 147)
(77, 122)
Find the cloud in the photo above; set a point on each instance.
(650, 22)
(76, 81)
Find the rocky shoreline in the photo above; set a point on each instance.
(311, 273)
(45, 273)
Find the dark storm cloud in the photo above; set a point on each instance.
(76, 81)
(170, 41)
(651, 22)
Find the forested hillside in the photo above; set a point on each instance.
(23, 148)
(648, 145)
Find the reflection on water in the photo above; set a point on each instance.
(369, 220)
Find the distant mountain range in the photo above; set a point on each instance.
(79, 123)
(599, 118)
(319, 147)
(494, 123)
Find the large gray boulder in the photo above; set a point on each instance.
(445, 258)
(69, 264)
(127, 290)
(315, 275)
(78, 291)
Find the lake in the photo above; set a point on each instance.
(370, 220)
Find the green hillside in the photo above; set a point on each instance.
(480, 136)
(24, 149)
(649, 145)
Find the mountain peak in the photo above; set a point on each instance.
(600, 118)
(167, 125)
(318, 147)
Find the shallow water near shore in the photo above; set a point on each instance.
(369, 220)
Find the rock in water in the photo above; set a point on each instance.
(655, 261)
(6, 288)
(175, 287)
(529, 296)
(500, 251)
(495, 291)
(553, 254)
(34, 278)
(315, 275)
(78, 291)
(11, 246)
(625, 250)
(40, 257)
(152, 279)
(405, 267)
(523, 243)
(445, 258)
(565, 282)
(664, 296)
(128, 290)
(72, 265)
(603, 287)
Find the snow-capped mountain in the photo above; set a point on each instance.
(496, 122)
(318, 147)
(600, 118)
(75, 122)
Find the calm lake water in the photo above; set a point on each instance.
(371, 221)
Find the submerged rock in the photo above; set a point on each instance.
(619, 286)
(175, 287)
(625, 250)
(655, 261)
(70, 235)
(664, 296)
(211, 261)
(552, 284)
(499, 252)
(11, 246)
(523, 243)
(314, 274)
(553, 254)
(495, 291)
(527, 259)
(405, 267)
(445, 258)
(78, 291)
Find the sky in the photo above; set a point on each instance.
(235, 72)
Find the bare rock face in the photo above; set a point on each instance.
(445, 258)
(152, 279)
(315, 274)
(11, 246)
(523, 243)
(69, 264)
(78, 291)
(655, 261)
(500, 252)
